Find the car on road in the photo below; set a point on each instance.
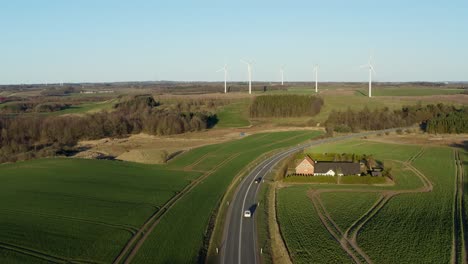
(257, 180)
(247, 213)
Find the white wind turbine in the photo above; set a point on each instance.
(249, 70)
(316, 77)
(225, 76)
(282, 75)
(371, 70)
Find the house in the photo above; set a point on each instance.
(310, 167)
(306, 167)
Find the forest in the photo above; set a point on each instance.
(384, 118)
(29, 136)
(453, 122)
(285, 105)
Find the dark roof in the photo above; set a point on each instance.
(347, 168)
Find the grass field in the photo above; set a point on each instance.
(410, 227)
(398, 232)
(234, 115)
(306, 238)
(80, 209)
(410, 91)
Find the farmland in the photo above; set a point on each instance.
(379, 224)
(190, 216)
(59, 210)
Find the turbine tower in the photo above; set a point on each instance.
(316, 77)
(282, 75)
(249, 70)
(371, 70)
(225, 76)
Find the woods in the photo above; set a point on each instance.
(25, 137)
(285, 105)
(454, 122)
(425, 116)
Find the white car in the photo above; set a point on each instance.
(247, 213)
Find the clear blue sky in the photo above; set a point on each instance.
(104, 40)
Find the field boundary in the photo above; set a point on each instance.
(458, 244)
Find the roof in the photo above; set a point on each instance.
(347, 168)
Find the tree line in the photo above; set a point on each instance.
(29, 136)
(285, 105)
(453, 122)
(383, 118)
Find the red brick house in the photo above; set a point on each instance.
(306, 167)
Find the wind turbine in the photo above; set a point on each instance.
(282, 75)
(371, 70)
(316, 77)
(249, 70)
(225, 76)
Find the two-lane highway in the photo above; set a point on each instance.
(240, 237)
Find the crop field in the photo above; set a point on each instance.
(190, 216)
(306, 238)
(381, 224)
(412, 91)
(78, 210)
(74, 209)
(347, 206)
(411, 239)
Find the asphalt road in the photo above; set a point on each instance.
(240, 234)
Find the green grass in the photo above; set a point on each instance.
(307, 239)
(189, 217)
(80, 209)
(416, 228)
(311, 179)
(412, 91)
(234, 115)
(262, 219)
(346, 207)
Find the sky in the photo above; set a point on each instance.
(111, 40)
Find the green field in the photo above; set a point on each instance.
(410, 228)
(80, 210)
(306, 238)
(234, 115)
(190, 216)
(411, 91)
(398, 232)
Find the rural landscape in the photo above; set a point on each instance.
(234, 170)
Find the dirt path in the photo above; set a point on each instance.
(348, 239)
(332, 228)
(459, 221)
